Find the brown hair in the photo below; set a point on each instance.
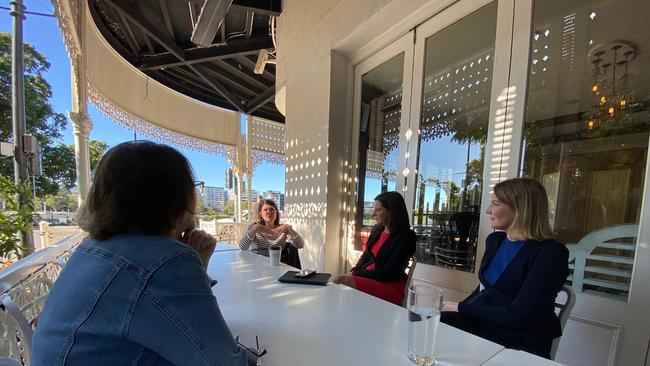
(527, 198)
(270, 203)
(139, 187)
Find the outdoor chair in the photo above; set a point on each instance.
(620, 241)
(458, 235)
(409, 279)
(563, 307)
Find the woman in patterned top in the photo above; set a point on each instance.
(268, 231)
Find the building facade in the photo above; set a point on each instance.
(277, 197)
(214, 197)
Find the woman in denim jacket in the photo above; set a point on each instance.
(137, 292)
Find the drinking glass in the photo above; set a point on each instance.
(424, 304)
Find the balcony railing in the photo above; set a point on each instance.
(230, 232)
(24, 288)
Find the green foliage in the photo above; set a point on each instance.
(42, 121)
(229, 208)
(96, 150)
(63, 200)
(59, 171)
(14, 218)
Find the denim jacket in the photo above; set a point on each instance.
(133, 300)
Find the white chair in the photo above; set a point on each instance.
(564, 307)
(409, 279)
(603, 237)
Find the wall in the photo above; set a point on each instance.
(307, 31)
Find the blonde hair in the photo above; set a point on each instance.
(527, 198)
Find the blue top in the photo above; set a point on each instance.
(133, 300)
(506, 252)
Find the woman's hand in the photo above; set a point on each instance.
(259, 229)
(284, 228)
(450, 306)
(202, 242)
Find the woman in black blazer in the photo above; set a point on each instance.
(380, 270)
(520, 275)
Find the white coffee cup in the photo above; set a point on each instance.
(274, 254)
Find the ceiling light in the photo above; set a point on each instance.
(262, 59)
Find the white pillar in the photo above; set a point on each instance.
(81, 126)
(250, 195)
(238, 208)
(81, 123)
(249, 163)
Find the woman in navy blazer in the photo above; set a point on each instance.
(520, 275)
(391, 244)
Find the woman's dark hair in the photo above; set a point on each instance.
(270, 203)
(398, 219)
(139, 187)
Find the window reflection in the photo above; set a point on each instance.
(452, 137)
(586, 132)
(381, 114)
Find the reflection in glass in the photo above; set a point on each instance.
(381, 112)
(586, 132)
(453, 131)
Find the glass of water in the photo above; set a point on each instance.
(424, 304)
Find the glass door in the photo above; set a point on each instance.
(456, 80)
(586, 129)
(454, 118)
(380, 127)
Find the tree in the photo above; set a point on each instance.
(229, 208)
(63, 200)
(41, 119)
(96, 150)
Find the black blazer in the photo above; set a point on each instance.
(518, 311)
(392, 259)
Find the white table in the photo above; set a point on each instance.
(243, 277)
(223, 246)
(511, 357)
(333, 324)
(337, 325)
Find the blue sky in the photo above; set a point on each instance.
(44, 34)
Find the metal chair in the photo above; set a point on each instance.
(409, 279)
(564, 309)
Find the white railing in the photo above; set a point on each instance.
(23, 290)
(230, 232)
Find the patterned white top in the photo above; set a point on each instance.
(262, 241)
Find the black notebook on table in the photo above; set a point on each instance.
(318, 279)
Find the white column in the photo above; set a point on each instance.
(249, 175)
(81, 125)
(238, 190)
(249, 163)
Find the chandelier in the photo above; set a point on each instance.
(610, 91)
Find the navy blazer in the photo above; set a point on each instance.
(391, 260)
(518, 311)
